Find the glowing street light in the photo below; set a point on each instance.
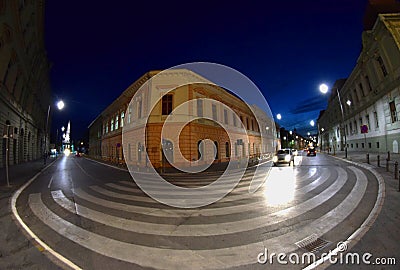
(279, 116)
(324, 89)
(312, 123)
(348, 102)
(60, 105)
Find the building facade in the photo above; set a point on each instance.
(24, 81)
(370, 96)
(133, 124)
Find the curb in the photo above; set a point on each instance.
(356, 236)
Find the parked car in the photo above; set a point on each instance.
(311, 152)
(284, 156)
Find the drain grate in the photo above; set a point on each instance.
(312, 243)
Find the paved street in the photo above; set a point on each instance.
(97, 218)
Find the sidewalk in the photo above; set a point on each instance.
(16, 251)
(383, 238)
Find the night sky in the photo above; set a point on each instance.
(287, 48)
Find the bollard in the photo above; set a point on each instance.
(396, 170)
(387, 164)
(367, 158)
(378, 161)
(388, 158)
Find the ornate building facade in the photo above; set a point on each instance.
(132, 114)
(24, 80)
(370, 96)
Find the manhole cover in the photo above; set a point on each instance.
(312, 243)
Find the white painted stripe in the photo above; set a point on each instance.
(222, 210)
(263, 220)
(209, 259)
(144, 256)
(51, 181)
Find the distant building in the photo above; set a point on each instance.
(105, 132)
(24, 80)
(371, 121)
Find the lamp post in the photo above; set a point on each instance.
(60, 105)
(324, 89)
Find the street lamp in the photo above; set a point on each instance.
(324, 89)
(279, 116)
(60, 105)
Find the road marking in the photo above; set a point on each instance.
(165, 258)
(221, 210)
(34, 237)
(218, 228)
(51, 181)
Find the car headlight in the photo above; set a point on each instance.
(275, 159)
(287, 158)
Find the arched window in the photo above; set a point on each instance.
(112, 124)
(139, 152)
(167, 151)
(227, 150)
(200, 150)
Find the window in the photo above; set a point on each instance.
(356, 145)
(369, 83)
(107, 127)
(139, 108)
(129, 114)
(139, 152)
(369, 145)
(247, 123)
(362, 89)
(214, 112)
(112, 124)
(382, 66)
(376, 120)
(355, 95)
(167, 104)
(225, 116)
(122, 119)
(361, 123)
(377, 144)
(216, 154)
(393, 112)
(116, 122)
(227, 150)
(355, 126)
(362, 145)
(234, 119)
(351, 128)
(200, 150)
(368, 122)
(241, 120)
(236, 149)
(200, 107)
(351, 145)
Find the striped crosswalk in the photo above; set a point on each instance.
(228, 233)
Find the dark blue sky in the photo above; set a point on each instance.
(98, 48)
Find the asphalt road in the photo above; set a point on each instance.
(95, 217)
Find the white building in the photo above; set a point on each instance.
(373, 88)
